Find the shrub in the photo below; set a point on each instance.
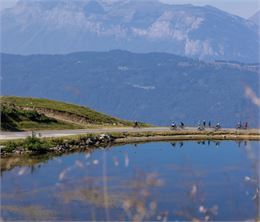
(35, 144)
(10, 146)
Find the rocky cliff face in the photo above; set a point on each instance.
(62, 26)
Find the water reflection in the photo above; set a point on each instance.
(203, 142)
(203, 181)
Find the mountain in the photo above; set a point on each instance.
(152, 87)
(20, 113)
(62, 26)
(256, 18)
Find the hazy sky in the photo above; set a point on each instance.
(243, 8)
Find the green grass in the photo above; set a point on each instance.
(59, 125)
(30, 143)
(92, 116)
(13, 119)
(16, 119)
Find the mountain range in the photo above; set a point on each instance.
(62, 26)
(256, 18)
(151, 87)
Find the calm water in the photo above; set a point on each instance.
(153, 181)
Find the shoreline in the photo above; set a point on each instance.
(186, 138)
(69, 143)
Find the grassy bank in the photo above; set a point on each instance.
(68, 143)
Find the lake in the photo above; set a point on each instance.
(153, 181)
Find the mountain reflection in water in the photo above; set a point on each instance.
(153, 181)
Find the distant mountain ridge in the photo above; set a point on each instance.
(256, 18)
(154, 87)
(62, 26)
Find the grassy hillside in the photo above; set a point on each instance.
(20, 113)
(13, 119)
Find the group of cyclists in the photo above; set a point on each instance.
(174, 125)
(201, 125)
(241, 125)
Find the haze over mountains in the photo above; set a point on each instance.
(63, 26)
(153, 87)
(256, 18)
